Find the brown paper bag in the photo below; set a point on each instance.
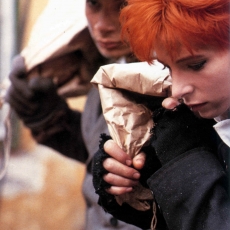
(129, 123)
(61, 47)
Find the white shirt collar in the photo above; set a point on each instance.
(222, 127)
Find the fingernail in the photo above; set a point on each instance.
(136, 175)
(128, 162)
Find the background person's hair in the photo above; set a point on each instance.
(174, 22)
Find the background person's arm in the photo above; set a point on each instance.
(45, 113)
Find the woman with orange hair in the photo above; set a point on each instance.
(174, 30)
(191, 38)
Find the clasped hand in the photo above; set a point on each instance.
(123, 172)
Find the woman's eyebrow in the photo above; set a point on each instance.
(188, 58)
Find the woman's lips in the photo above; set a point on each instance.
(109, 45)
(197, 107)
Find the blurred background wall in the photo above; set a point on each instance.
(41, 189)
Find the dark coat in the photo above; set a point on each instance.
(192, 191)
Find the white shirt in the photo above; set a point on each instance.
(222, 127)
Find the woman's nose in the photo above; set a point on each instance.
(181, 87)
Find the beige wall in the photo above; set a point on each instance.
(32, 8)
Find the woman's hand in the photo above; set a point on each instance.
(121, 176)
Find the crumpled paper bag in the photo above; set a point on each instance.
(129, 123)
(61, 47)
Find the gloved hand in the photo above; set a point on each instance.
(34, 100)
(177, 131)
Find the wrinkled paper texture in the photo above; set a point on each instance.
(130, 123)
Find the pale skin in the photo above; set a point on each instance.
(121, 176)
(104, 27)
(202, 80)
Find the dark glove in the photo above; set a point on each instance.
(34, 100)
(178, 131)
(124, 212)
(98, 170)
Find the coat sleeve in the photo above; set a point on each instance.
(64, 135)
(191, 191)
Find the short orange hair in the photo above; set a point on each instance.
(186, 22)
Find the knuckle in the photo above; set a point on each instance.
(108, 163)
(108, 146)
(110, 180)
(116, 191)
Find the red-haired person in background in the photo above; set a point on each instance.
(191, 38)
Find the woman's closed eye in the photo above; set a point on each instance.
(197, 66)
